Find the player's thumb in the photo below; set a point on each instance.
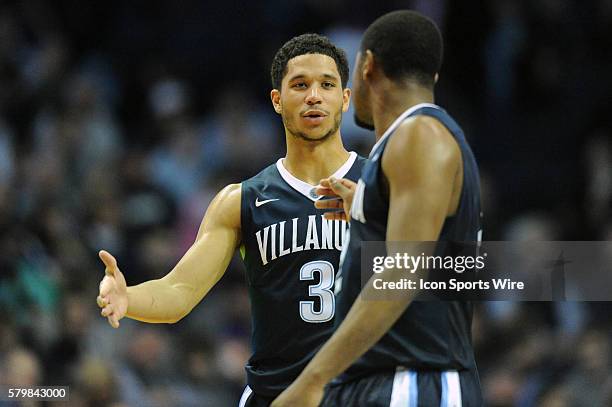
(338, 187)
(109, 261)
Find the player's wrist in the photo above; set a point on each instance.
(129, 300)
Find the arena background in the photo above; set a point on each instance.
(119, 122)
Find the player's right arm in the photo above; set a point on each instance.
(170, 298)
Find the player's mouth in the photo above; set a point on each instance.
(314, 116)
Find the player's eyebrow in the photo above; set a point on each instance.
(296, 77)
(303, 76)
(330, 76)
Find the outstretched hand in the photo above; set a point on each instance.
(113, 291)
(341, 191)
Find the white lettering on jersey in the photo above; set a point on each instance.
(281, 240)
(312, 239)
(263, 244)
(327, 232)
(294, 245)
(319, 234)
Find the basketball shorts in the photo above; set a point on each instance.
(407, 388)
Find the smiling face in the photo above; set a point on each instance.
(311, 99)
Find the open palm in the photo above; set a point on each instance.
(113, 291)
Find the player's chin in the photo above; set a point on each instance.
(319, 135)
(362, 122)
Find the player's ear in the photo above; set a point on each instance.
(276, 101)
(367, 68)
(346, 99)
(436, 77)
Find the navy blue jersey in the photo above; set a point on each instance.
(431, 335)
(291, 256)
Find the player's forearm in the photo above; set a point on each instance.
(172, 297)
(364, 325)
(157, 301)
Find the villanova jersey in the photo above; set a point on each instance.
(291, 256)
(430, 335)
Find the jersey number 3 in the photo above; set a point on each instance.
(324, 271)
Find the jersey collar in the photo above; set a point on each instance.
(305, 188)
(398, 121)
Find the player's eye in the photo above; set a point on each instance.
(329, 85)
(299, 85)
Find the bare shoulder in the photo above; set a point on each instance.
(230, 194)
(225, 207)
(420, 141)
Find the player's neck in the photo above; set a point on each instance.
(393, 101)
(310, 162)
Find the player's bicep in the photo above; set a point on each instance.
(207, 259)
(223, 211)
(420, 164)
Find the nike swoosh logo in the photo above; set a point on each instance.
(258, 203)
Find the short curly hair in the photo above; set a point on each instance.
(407, 44)
(307, 44)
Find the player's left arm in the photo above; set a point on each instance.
(421, 164)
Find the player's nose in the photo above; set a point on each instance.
(313, 96)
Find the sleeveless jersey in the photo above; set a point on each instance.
(291, 256)
(430, 335)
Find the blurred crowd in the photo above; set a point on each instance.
(119, 123)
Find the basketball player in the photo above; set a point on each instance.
(290, 251)
(420, 184)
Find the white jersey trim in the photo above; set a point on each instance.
(399, 121)
(305, 188)
(245, 396)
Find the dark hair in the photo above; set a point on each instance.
(307, 44)
(406, 44)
